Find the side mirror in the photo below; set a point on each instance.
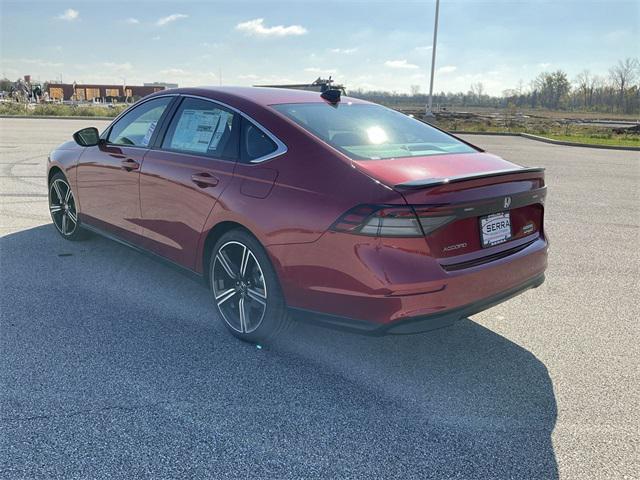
(87, 137)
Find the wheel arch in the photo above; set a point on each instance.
(52, 171)
(212, 237)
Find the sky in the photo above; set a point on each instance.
(383, 45)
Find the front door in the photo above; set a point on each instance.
(182, 179)
(108, 175)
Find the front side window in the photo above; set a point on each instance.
(137, 126)
(371, 132)
(205, 128)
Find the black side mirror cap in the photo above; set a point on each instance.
(87, 137)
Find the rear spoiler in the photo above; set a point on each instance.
(434, 182)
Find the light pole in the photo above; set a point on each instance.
(429, 113)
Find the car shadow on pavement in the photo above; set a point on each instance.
(114, 364)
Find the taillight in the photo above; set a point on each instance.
(430, 222)
(389, 221)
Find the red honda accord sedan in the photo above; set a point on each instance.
(299, 205)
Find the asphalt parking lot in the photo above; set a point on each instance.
(111, 364)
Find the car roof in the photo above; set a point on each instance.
(263, 96)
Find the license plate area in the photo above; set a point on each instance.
(495, 229)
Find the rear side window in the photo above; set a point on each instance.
(255, 143)
(136, 127)
(204, 128)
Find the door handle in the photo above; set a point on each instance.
(129, 164)
(204, 180)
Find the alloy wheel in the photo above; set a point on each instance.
(62, 206)
(239, 287)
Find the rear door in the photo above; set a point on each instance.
(108, 174)
(183, 176)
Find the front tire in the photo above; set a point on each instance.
(63, 209)
(246, 289)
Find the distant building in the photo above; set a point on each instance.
(106, 93)
(161, 84)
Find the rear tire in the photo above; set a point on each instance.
(246, 289)
(63, 209)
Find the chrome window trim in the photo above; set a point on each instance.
(281, 148)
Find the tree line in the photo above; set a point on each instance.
(616, 92)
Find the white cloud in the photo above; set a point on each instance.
(447, 69)
(157, 37)
(544, 65)
(118, 67)
(424, 48)
(618, 36)
(40, 63)
(132, 21)
(169, 19)
(275, 79)
(69, 15)
(400, 64)
(363, 78)
(173, 71)
(187, 77)
(257, 27)
(345, 51)
(331, 71)
(249, 76)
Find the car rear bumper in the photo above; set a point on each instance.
(418, 324)
(378, 287)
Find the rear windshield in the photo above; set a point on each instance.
(371, 132)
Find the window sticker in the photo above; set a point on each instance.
(195, 130)
(220, 129)
(147, 136)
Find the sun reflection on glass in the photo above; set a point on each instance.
(376, 135)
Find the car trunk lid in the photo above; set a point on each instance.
(490, 206)
(395, 171)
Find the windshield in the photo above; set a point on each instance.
(371, 132)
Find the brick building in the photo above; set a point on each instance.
(87, 93)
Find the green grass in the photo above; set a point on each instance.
(615, 140)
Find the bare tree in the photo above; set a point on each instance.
(622, 75)
(584, 84)
(593, 84)
(415, 90)
(478, 89)
(601, 92)
(553, 88)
